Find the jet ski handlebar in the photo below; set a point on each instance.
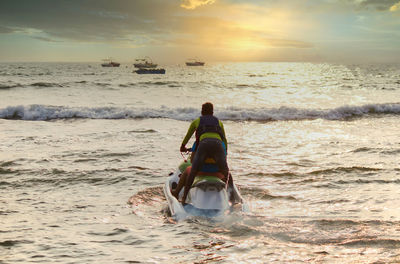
(186, 152)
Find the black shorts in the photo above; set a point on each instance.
(210, 148)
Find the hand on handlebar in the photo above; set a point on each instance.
(184, 149)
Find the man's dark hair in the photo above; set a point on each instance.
(207, 109)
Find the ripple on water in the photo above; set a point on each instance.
(12, 243)
(373, 242)
(263, 194)
(114, 232)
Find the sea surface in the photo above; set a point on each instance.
(85, 151)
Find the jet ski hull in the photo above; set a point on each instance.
(207, 197)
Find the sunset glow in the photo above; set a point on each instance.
(216, 30)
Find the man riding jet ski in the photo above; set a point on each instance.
(208, 186)
(210, 140)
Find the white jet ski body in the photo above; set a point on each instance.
(209, 196)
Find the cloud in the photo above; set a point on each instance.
(45, 39)
(6, 30)
(138, 23)
(380, 5)
(224, 28)
(90, 20)
(395, 7)
(192, 4)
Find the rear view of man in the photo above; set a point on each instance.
(210, 137)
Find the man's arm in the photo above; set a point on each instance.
(223, 133)
(189, 133)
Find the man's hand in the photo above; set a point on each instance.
(183, 148)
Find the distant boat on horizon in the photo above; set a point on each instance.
(150, 71)
(146, 62)
(110, 63)
(194, 62)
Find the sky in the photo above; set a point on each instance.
(171, 31)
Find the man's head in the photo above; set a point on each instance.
(207, 109)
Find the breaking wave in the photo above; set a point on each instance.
(46, 84)
(9, 86)
(45, 112)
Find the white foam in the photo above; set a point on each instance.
(44, 112)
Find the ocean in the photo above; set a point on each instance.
(85, 150)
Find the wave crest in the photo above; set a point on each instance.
(44, 112)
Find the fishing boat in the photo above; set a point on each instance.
(209, 196)
(110, 63)
(146, 62)
(150, 71)
(194, 62)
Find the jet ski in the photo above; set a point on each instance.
(209, 196)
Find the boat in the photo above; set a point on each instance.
(110, 63)
(146, 62)
(194, 62)
(150, 71)
(209, 196)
